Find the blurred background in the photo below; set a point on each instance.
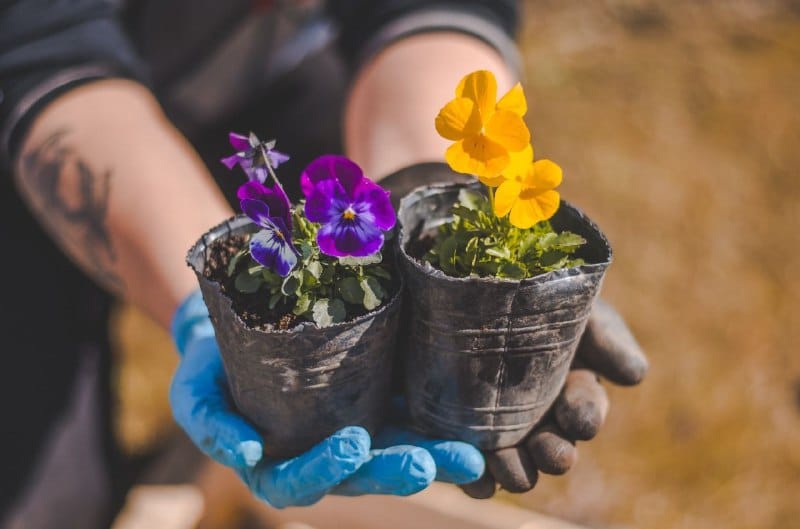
(678, 128)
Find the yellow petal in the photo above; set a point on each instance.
(506, 196)
(481, 87)
(533, 207)
(544, 175)
(509, 130)
(514, 101)
(519, 164)
(492, 181)
(458, 119)
(478, 156)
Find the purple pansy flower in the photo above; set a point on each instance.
(269, 208)
(253, 156)
(354, 211)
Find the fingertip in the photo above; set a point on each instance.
(351, 442)
(420, 467)
(249, 453)
(457, 462)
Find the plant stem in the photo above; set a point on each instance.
(491, 197)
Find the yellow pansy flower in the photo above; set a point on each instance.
(528, 190)
(485, 132)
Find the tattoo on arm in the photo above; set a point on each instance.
(71, 201)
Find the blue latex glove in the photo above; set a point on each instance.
(347, 463)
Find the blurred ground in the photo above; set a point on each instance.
(678, 128)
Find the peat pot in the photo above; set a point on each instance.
(486, 357)
(299, 386)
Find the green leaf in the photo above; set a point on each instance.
(568, 242)
(291, 285)
(361, 261)
(255, 269)
(274, 299)
(327, 312)
(302, 305)
(553, 259)
(379, 271)
(235, 260)
(306, 250)
(247, 283)
(373, 293)
(314, 268)
(511, 271)
(447, 251)
(471, 199)
(501, 253)
(351, 290)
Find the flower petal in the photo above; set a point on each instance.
(481, 87)
(492, 181)
(275, 198)
(529, 210)
(258, 212)
(271, 249)
(458, 118)
(544, 174)
(239, 141)
(370, 197)
(252, 191)
(231, 161)
(326, 202)
(477, 155)
(276, 158)
(329, 167)
(514, 101)
(506, 196)
(354, 238)
(509, 130)
(520, 163)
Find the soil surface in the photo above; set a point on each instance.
(252, 308)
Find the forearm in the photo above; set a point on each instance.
(395, 98)
(120, 190)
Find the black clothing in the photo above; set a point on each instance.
(50, 313)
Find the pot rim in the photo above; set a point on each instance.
(240, 223)
(427, 268)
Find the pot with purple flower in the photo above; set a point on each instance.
(304, 305)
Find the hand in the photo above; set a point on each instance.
(607, 349)
(346, 463)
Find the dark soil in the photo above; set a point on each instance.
(252, 308)
(418, 247)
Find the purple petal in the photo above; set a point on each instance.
(329, 167)
(254, 173)
(258, 212)
(231, 161)
(276, 158)
(253, 191)
(354, 238)
(326, 202)
(371, 197)
(272, 250)
(238, 141)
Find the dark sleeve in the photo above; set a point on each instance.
(49, 46)
(368, 26)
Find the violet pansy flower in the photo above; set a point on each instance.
(269, 208)
(254, 156)
(354, 211)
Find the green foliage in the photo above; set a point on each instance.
(321, 288)
(478, 243)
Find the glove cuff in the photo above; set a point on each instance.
(191, 321)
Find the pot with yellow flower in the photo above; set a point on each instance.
(500, 274)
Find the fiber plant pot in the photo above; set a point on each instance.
(299, 386)
(487, 357)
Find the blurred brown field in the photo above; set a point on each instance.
(678, 128)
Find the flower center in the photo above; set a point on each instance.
(528, 193)
(349, 213)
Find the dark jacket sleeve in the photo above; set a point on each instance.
(48, 46)
(367, 26)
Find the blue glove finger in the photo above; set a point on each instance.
(200, 406)
(305, 479)
(399, 470)
(456, 462)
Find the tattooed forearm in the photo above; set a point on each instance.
(71, 200)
